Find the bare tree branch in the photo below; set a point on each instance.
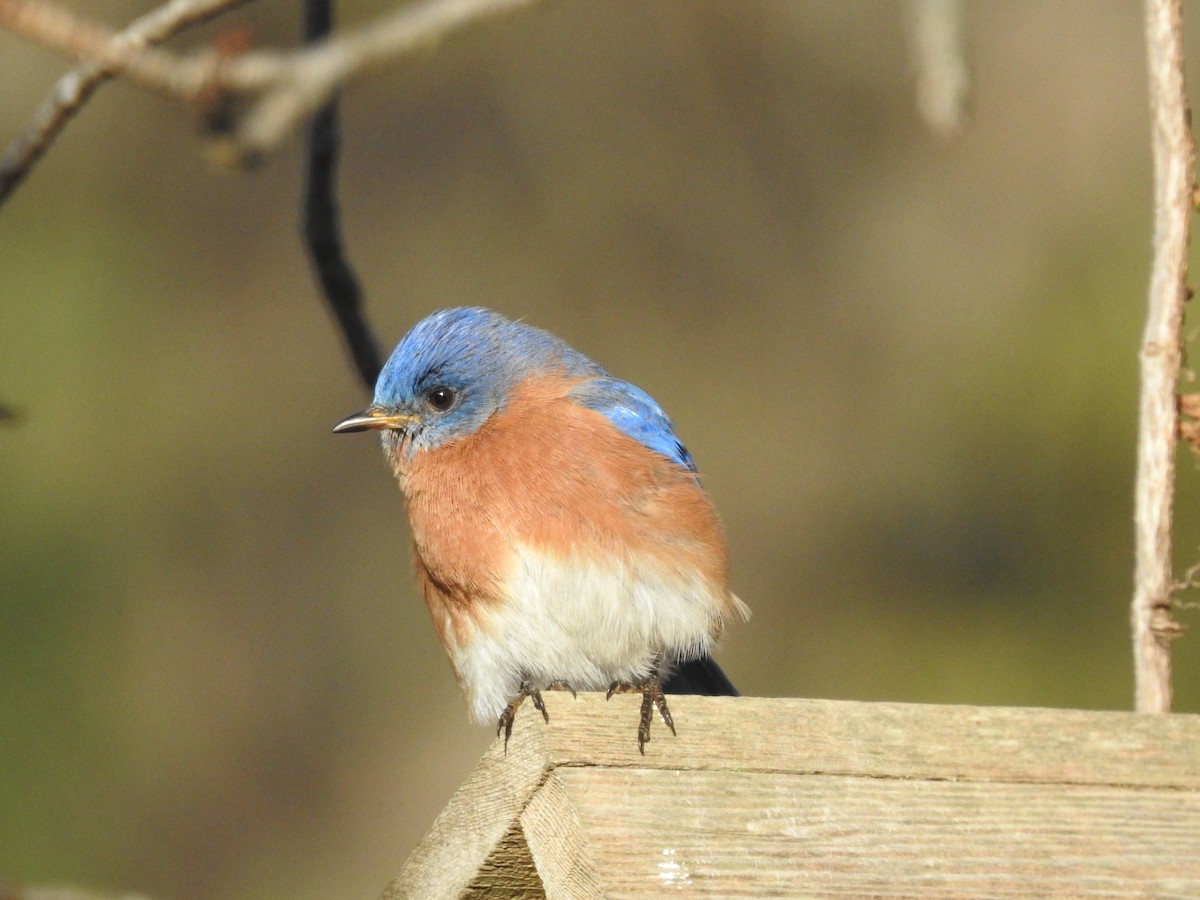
(1161, 355)
(274, 89)
(78, 85)
(322, 226)
(64, 32)
(943, 79)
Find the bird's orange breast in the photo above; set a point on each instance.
(549, 474)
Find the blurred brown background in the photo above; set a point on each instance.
(907, 368)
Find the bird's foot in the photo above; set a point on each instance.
(528, 689)
(562, 686)
(509, 715)
(651, 690)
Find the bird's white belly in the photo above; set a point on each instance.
(584, 622)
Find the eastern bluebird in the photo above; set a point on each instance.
(562, 538)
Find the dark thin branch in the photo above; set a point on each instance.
(322, 226)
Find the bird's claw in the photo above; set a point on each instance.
(652, 696)
(528, 689)
(509, 715)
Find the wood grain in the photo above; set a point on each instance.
(820, 798)
(757, 835)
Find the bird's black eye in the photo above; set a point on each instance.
(441, 399)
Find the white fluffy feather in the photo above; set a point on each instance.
(583, 622)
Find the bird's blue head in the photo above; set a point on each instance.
(454, 370)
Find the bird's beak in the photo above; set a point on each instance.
(373, 419)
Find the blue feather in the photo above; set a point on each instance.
(634, 412)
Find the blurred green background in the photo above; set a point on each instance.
(907, 368)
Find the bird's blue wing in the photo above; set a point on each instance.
(634, 412)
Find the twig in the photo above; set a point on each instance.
(1161, 354)
(64, 32)
(322, 227)
(278, 88)
(77, 86)
(943, 79)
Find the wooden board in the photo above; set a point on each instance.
(819, 798)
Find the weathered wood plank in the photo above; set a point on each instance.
(473, 825)
(767, 834)
(805, 797)
(901, 740)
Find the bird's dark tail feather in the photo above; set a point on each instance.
(700, 676)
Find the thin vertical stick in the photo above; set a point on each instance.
(1174, 177)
